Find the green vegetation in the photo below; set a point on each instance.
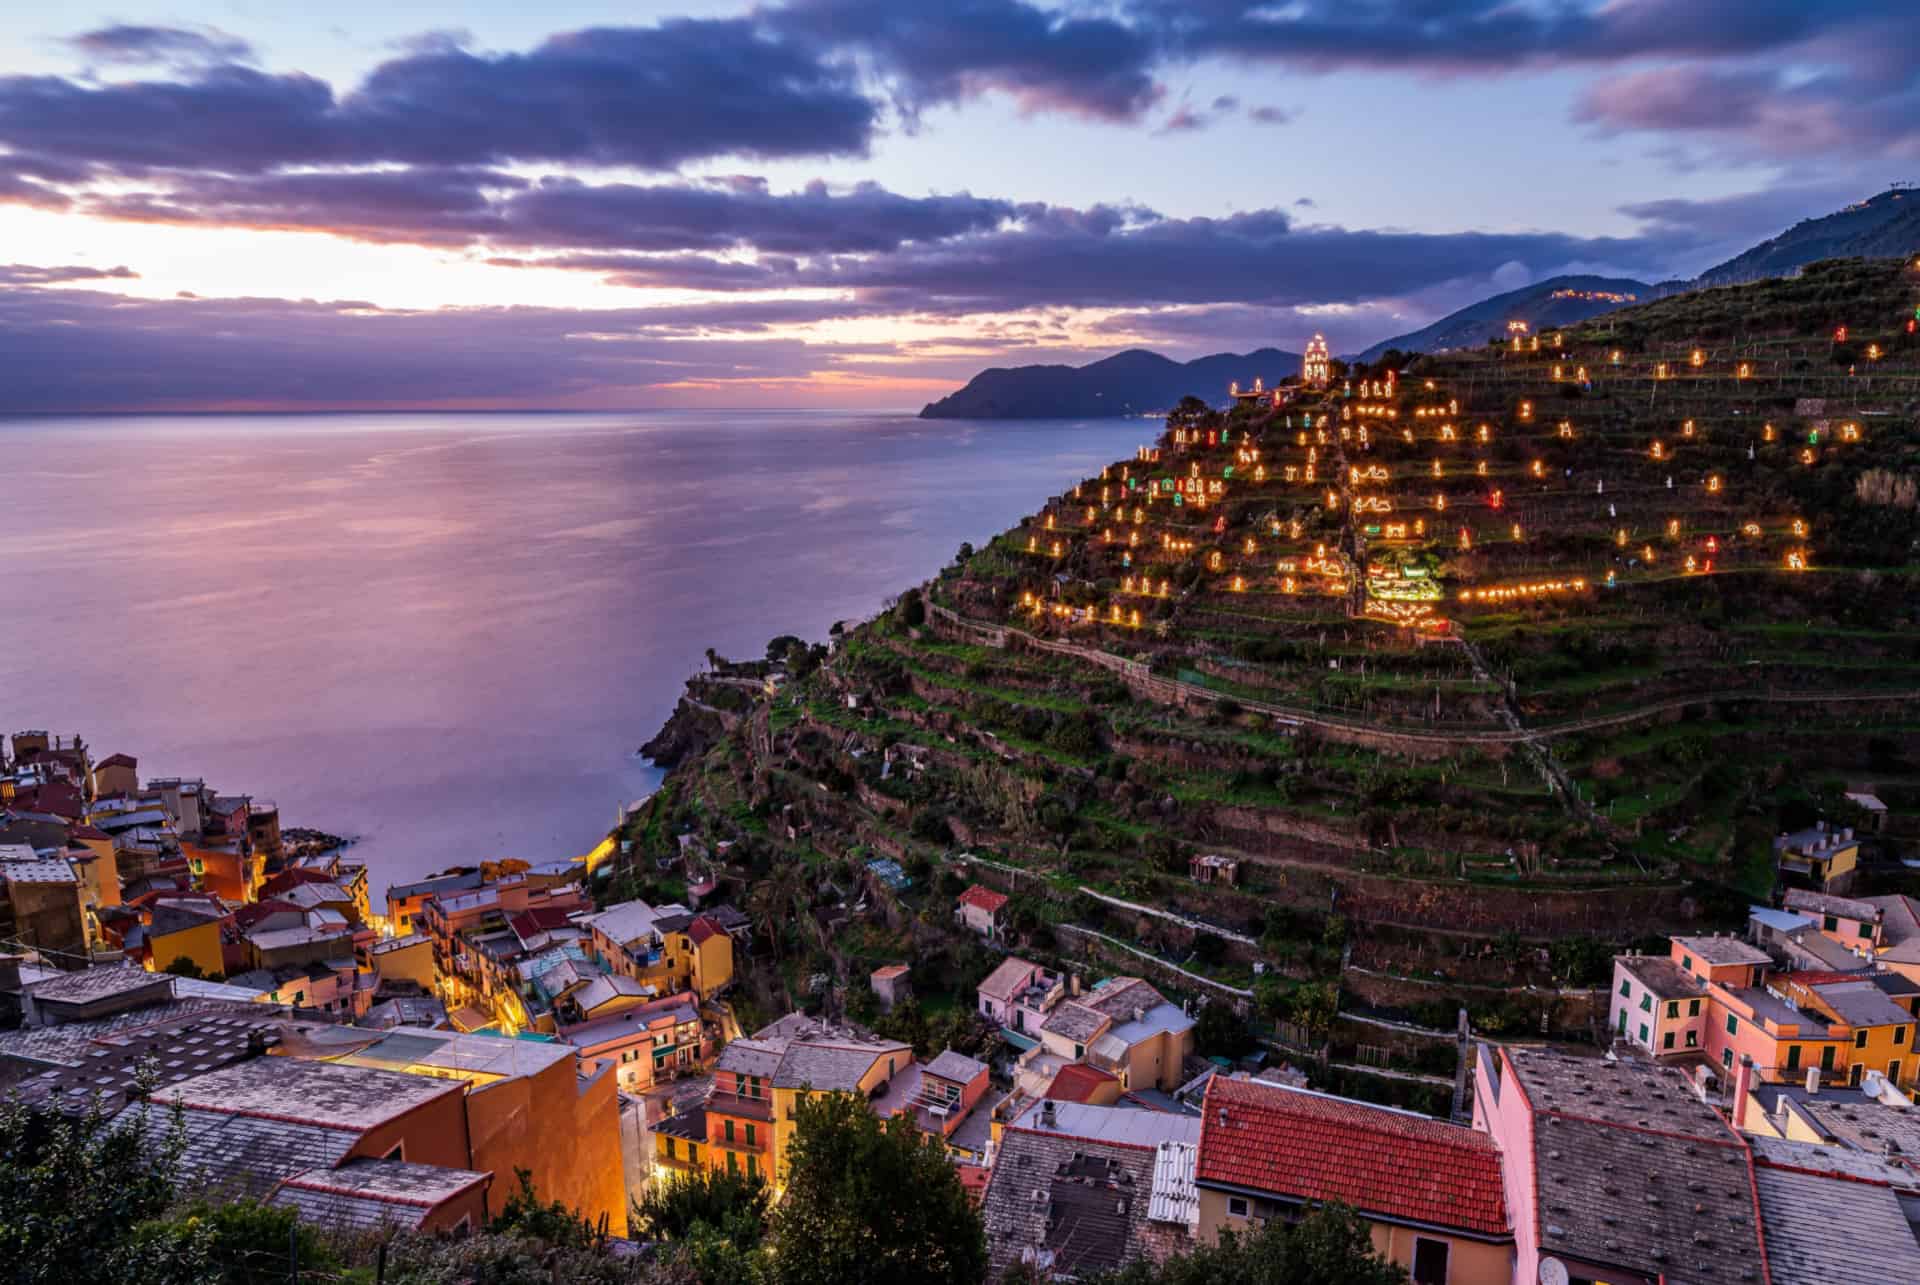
(1328, 1246)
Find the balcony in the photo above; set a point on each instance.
(740, 1106)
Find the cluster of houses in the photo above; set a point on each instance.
(164, 949)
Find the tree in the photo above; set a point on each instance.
(73, 1187)
(183, 966)
(870, 1201)
(1330, 1246)
(1220, 1032)
(913, 611)
(679, 1207)
(555, 1223)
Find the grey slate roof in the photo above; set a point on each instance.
(1862, 1004)
(235, 1154)
(1072, 1207)
(1828, 904)
(1635, 1172)
(366, 1193)
(955, 1066)
(1662, 976)
(1723, 950)
(98, 982)
(1073, 1020)
(833, 1066)
(750, 1057)
(1831, 1231)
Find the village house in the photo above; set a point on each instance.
(891, 984)
(1854, 922)
(1126, 1027)
(982, 910)
(648, 1042)
(1431, 1193)
(1018, 995)
(1825, 857)
(669, 948)
(1212, 868)
(1076, 1191)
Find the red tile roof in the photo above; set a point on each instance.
(973, 1179)
(703, 928)
(1381, 1162)
(541, 919)
(1076, 1082)
(984, 898)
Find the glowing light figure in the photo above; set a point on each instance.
(1807, 456)
(1697, 359)
(1799, 527)
(1686, 429)
(1518, 534)
(1659, 451)
(1673, 528)
(1766, 432)
(1539, 468)
(1713, 485)
(1750, 529)
(1526, 410)
(1797, 560)
(1660, 370)
(1620, 537)
(1744, 371)
(1840, 334)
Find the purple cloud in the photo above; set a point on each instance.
(128, 44)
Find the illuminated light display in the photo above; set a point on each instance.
(1497, 499)
(1713, 484)
(1686, 429)
(1807, 455)
(1660, 370)
(1539, 468)
(1511, 593)
(1446, 433)
(1620, 537)
(1796, 560)
(1766, 432)
(1840, 334)
(1526, 411)
(1333, 499)
(1316, 366)
(1480, 468)
(1873, 352)
(1407, 615)
(1056, 548)
(1659, 452)
(1744, 371)
(1049, 521)
(1440, 501)
(1518, 534)
(1673, 528)
(1466, 539)
(1249, 546)
(1697, 359)
(1615, 357)
(1849, 432)
(1239, 584)
(1033, 545)
(1799, 527)
(1566, 429)
(1486, 433)
(1372, 473)
(1372, 504)
(1750, 529)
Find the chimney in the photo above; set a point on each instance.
(1046, 1112)
(1813, 1080)
(1742, 1085)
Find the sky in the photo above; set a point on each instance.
(245, 204)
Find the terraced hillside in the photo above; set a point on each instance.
(1540, 642)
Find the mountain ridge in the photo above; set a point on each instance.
(1883, 226)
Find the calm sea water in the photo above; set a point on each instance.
(447, 634)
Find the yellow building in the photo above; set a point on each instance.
(669, 947)
(178, 933)
(1826, 856)
(759, 1082)
(408, 958)
(1872, 1017)
(1432, 1194)
(1126, 1028)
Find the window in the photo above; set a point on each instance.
(1899, 1035)
(753, 1166)
(670, 1152)
(1830, 923)
(397, 1152)
(1673, 1008)
(1726, 1059)
(1826, 1058)
(1893, 1071)
(1666, 1041)
(1859, 1039)
(1237, 1207)
(1623, 1021)
(1686, 962)
(733, 1163)
(1429, 1261)
(1854, 1072)
(693, 1153)
(1626, 988)
(750, 1138)
(1643, 1032)
(1863, 930)
(1733, 1024)
(1693, 1008)
(1079, 1051)
(1646, 1002)
(729, 1128)
(1793, 1057)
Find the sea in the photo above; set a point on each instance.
(446, 635)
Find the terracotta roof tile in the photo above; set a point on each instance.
(984, 899)
(1380, 1161)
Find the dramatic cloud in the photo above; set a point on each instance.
(1763, 112)
(651, 97)
(458, 207)
(936, 54)
(129, 45)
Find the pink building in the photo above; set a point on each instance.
(982, 910)
(1019, 995)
